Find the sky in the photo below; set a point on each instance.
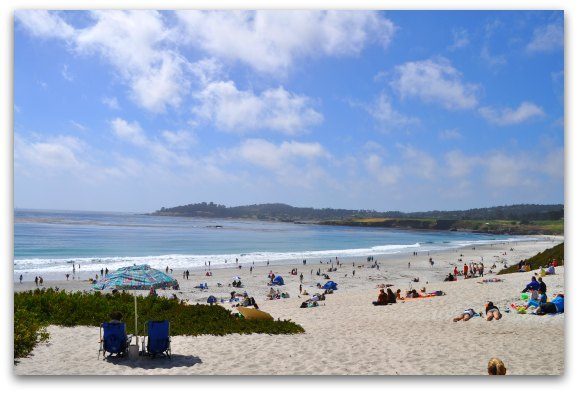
(401, 110)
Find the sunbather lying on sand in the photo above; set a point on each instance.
(466, 315)
(492, 312)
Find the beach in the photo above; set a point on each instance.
(346, 334)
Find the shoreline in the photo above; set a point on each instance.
(164, 260)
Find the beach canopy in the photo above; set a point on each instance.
(278, 280)
(134, 278)
(330, 285)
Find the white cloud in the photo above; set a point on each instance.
(508, 116)
(130, 132)
(384, 174)
(53, 153)
(263, 153)
(66, 73)
(179, 139)
(133, 42)
(387, 117)
(111, 102)
(507, 170)
(450, 134)
(460, 38)
(435, 81)
(547, 38)
(271, 41)
(491, 59)
(240, 111)
(553, 163)
(44, 24)
(78, 126)
(460, 164)
(418, 162)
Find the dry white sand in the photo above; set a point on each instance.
(346, 334)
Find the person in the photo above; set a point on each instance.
(187, 274)
(67, 275)
(456, 271)
(21, 279)
(41, 280)
(481, 270)
(466, 315)
(542, 285)
(301, 277)
(152, 292)
(551, 270)
(300, 288)
(465, 270)
(390, 296)
(381, 299)
(450, 277)
(492, 312)
(533, 285)
(398, 295)
(409, 265)
(553, 307)
(101, 272)
(496, 367)
(116, 317)
(106, 271)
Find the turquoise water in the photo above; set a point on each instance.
(49, 241)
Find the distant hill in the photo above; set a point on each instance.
(283, 212)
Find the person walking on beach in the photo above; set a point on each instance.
(353, 272)
(106, 272)
(36, 280)
(187, 274)
(409, 265)
(101, 272)
(167, 270)
(481, 270)
(21, 279)
(73, 269)
(301, 277)
(41, 281)
(67, 275)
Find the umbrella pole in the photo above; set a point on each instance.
(135, 320)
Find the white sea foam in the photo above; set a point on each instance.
(180, 261)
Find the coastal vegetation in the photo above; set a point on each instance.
(540, 259)
(34, 310)
(515, 219)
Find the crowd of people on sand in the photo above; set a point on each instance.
(474, 269)
(535, 301)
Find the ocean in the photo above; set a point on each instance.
(48, 242)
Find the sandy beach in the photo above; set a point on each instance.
(346, 334)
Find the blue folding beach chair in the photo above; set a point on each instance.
(113, 339)
(158, 339)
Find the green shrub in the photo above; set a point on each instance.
(49, 307)
(27, 333)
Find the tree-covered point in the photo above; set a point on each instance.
(33, 310)
(283, 212)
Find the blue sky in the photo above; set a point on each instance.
(401, 110)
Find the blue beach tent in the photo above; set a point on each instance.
(330, 285)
